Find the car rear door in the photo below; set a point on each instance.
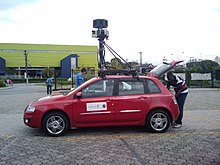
(96, 104)
(131, 102)
(163, 68)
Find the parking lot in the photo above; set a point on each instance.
(196, 142)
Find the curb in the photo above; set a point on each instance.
(4, 88)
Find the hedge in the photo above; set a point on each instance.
(2, 84)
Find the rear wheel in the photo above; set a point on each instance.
(157, 121)
(55, 124)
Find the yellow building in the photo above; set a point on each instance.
(41, 56)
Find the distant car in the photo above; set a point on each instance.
(109, 101)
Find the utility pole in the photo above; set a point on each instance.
(26, 65)
(140, 62)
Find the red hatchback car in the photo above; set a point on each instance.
(110, 101)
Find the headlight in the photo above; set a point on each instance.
(30, 108)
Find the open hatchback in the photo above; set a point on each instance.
(163, 68)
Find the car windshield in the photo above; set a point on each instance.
(160, 69)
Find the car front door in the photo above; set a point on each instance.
(131, 102)
(95, 106)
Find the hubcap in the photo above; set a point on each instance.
(159, 121)
(55, 124)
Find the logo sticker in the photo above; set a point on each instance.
(97, 106)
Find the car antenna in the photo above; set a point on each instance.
(102, 33)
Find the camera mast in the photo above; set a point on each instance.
(102, 34)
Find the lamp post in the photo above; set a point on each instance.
(26, 65)
(140, 62)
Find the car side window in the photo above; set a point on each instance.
(152, 86)
(130, 87)
(99, 89)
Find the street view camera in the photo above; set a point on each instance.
(101, 32)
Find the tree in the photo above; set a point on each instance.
(47, 72)
(11, 71)
(116, 63)
(202, 66)
(208, 65)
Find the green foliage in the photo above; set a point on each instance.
(47, 72)
(63, 81)
(116, 63)
(11, 71)
(204, 66)
(2, 84)
(217, 67)
(208, 65)
(30, 80)
(180, 70)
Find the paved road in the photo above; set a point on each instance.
(197, 142)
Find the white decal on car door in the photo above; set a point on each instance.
(97, 106)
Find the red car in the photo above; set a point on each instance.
(110, 101)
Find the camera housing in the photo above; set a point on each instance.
(101, 32)
(100, 23)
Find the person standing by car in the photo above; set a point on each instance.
(79, 77)
(181, 92)
(49, 83)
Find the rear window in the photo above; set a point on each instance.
(152, 86)
(131, 87)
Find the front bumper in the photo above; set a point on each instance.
(32, 119)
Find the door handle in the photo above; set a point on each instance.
(142, 97)
(109, 99)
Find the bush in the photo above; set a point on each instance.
(31, 80)
(2, 84)
(62, 81)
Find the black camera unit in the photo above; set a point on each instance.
(102, 33)
(101, 25)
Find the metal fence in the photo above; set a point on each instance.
(202, 80)
(61, 83)
(207, 80)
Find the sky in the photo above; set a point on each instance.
(170, 29)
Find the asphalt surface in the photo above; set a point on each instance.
(196, 142)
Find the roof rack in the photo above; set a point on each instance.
(103, 73)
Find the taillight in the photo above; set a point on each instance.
(174, 100)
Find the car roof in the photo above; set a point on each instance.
(124, 76)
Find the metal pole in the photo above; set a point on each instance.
(72, 77)
(140, 62)
(101, 53)
(55, 79)
(26, 65)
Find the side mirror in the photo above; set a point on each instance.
(79, 94)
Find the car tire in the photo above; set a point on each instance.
(157, 121)
(55, 124)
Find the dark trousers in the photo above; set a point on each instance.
(181, 101)
(49, 89)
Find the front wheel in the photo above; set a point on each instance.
(55, 124)
(157, 121)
